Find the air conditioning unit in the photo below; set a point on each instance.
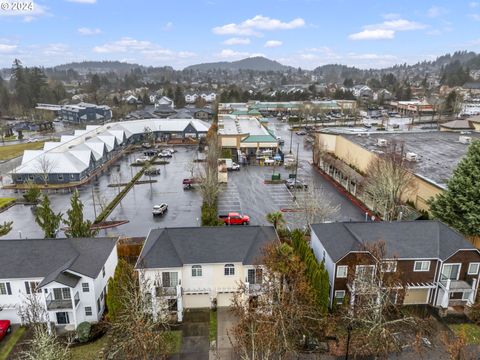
(465, 139)
(382, 142)
(411, 156)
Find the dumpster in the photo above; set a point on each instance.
(276, 176)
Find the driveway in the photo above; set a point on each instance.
(195, 332)
(225, 321)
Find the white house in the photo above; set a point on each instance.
(200, 267)
(69, 276)
(191, 98)
(163, 102)
(209, 97)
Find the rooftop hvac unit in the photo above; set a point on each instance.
(410, 156)
(382, 142)
(465, 139)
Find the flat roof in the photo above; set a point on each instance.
(439, 152)
(250, 126)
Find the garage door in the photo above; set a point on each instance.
(10, 314)
(416, 296)
(224, 300)
(196, 301)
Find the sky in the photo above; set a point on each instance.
(300, 33)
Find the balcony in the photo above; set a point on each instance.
(166, 291)
(58, 304)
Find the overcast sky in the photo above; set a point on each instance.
(305, 33)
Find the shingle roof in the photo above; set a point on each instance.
(174, 247)
(50, 258)
(405, 239)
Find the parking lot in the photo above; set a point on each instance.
(245, 192)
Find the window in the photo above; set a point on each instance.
(62, 318)
(72, 176)
(60, 176)
(169, 279)
(196, 270)
(466, 295)
(421, 266)
(339, 296)
(88, 311)
(342, 271)
(98, 305)
(31, 287)
(101, 295)
(450, 271)
(30, 177)
(255, 276)
(229, 269)
(5, 289)
(103, 271)
(473, 268)
(364, 272)
(389, 266)
(66, 293)
(85, 287)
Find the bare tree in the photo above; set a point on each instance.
(45, 167)
(277, 312)
(314, 205)
(390, 181)
(373, 309)
(210, 186)
(32, 310)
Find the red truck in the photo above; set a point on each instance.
(235, 218)
(5, 328)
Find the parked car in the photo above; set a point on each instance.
(153, 171)
(234, 218)
(165, 154)
(5, 328)
(235, 167)
(171, 150)
(159, 209)
(301, 132)
(142, 159)
(294, 183)
(146, 145)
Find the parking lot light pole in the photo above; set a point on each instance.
(291, 137)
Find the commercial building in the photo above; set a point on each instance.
(202, 267)
(433, 156)
(68, 276)
(431, 263)
(80, 113)
(77, 156)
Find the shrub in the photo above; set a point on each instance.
(209, 216)
(83, 331)
(33, 194)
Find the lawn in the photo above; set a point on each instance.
(471, 332)
(177, 338)
(213, 326)
(9, 342)
(12, 151)
(4, 202)
(88, 351)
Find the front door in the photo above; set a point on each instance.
(62, 318)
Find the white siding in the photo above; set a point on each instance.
(11, 303)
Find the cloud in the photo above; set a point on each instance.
(83, 1)
(28, 15)
(89, 31)
(237, 41)
(7, 48)
(273, 43)
(474, 4)
(373, 35)
(257, 24)
(168, 26)
(146, 49)
(435, 11)
(475, 17)
(391, 16)
(386, 30)
(229, 54)
(371, 56)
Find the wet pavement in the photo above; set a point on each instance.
(245, 193)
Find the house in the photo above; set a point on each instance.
(209, 97)
(131, 100)
(437, 265)
(362, 92)
(382, 95)
(69, 277)
(200, 267)
(164, 101)
(203, 114)
(191, 98)
(80, 113)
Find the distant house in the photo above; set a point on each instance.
(69, 276)
(203, 114)
(210, 97)
(383, 94)
(164, 102)
(191, 98)
(85, 113)
(437, 266)
(131, 100)
(362, 92)
(201, 267)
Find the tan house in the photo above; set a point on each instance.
(203, 267)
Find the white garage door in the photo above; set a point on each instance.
(416, 296)
(224, 300)
(10, 314)
(196, 301)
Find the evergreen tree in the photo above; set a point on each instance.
(124, 274)
(47, 219)
(77, 227)
(459, 205)
(179, 97)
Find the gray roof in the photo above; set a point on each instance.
(54, 259)
(403, 239)
(174, 247)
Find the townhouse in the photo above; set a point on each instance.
(202, 267)
(69, 277)
(435, 265)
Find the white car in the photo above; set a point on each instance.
(142, 159)
(159, 209)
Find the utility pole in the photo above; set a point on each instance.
(291, 138)
(296, 163)
(94, 208)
